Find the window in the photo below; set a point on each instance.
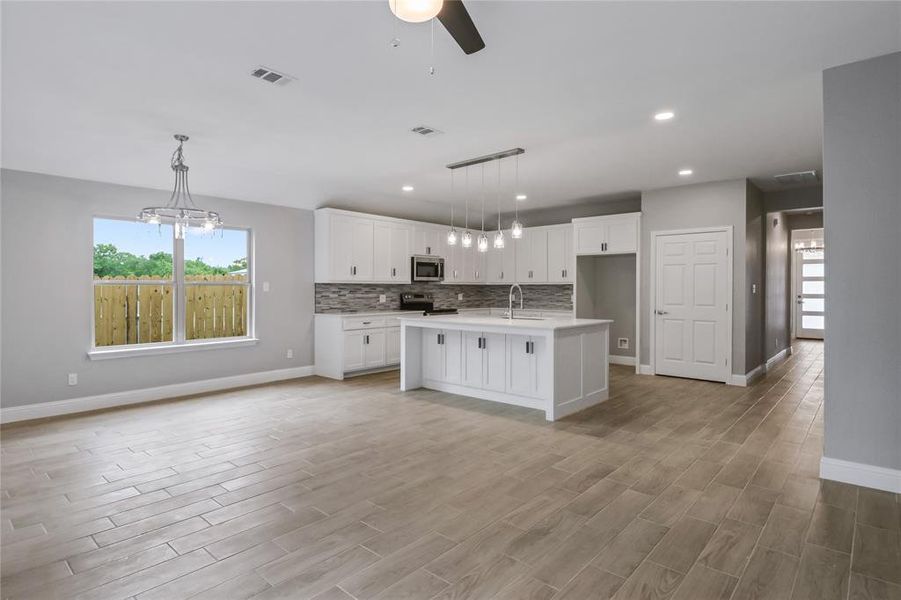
(150, 288)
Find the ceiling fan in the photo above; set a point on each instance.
(451, 13)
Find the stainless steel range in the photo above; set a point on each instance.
(423, 302)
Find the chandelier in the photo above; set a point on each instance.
(181, 210)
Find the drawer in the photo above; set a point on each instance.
(363, 322)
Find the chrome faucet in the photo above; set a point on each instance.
(513, 287)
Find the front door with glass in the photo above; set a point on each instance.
(810, 290)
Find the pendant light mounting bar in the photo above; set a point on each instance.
(487, 158)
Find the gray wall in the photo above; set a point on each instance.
(701, 205)
(607, 291)
(778, 284)
(47, 299)
(755, 256)
(862, 169)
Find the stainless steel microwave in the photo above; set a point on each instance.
(427, 268)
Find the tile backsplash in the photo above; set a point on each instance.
(364, 297)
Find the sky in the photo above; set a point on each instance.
(142, 239)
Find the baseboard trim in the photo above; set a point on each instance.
(13, 414)
(870, 476)
(645, 370)
(748, 378)
(782, 354)
(629, 361)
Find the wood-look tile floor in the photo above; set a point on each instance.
(352, 490)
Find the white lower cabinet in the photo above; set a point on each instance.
(366, 349)
(484, 364)
(525, 355)
(442, 355)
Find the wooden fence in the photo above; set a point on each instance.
(131, 313)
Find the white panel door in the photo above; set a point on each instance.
(494, 373)
(472, 359)
(622, 236)
(433, 354)
(374, 348)
(810, 289)
(453, 356)
(691, 311)
(353, 350)
(392, 345)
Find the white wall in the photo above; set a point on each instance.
(702, 205)
(862, 217)
(47, 253)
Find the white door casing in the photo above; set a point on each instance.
(691, 300)
(810, 294)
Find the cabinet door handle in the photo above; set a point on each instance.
(393, 272)
(527, 347)
(477, 274)
(367, 322)
(428, 249)
(502, 275)
(365, 339)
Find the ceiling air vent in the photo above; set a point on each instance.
(426, 131)
(267, 74)
(799, 178)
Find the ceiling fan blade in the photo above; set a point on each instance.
(458, 23)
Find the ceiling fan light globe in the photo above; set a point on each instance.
(415, 11)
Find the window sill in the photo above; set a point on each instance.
(170, 348)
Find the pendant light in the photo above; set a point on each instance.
(181, 210)
(452, 234)
(483, 239)
(516, 227)
(499, 234)
(466, 238)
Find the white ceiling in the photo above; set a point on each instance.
(95, 90)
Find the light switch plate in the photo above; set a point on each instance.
(622, 343)
(459, 296)
(382, 298)
(265, 286)
(73, 378)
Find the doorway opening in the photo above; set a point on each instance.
(809, 284)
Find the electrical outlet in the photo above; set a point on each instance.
(265, 286)
(73, 378)
(459, 296)
(753, 288)
(622, 343)
(382, 298)
(289, 353)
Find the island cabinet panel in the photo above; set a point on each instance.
(442, 355)
(484, 360)
(525, 358)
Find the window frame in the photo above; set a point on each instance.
(179, 343)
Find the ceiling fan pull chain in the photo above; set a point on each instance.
(432, 70)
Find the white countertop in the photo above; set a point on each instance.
(482, 322)
(463, 311)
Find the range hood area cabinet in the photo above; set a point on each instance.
(614, 234)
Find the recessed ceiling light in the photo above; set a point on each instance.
(664, 115)
(685, 172)
(407, 188)
(521, 196)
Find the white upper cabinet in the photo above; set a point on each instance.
(531, 256)
(350, 256)
(429, 240)
(613, 234)
(391, 252)
(500, 265)
(560, 255)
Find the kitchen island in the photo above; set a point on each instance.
(558, 365)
